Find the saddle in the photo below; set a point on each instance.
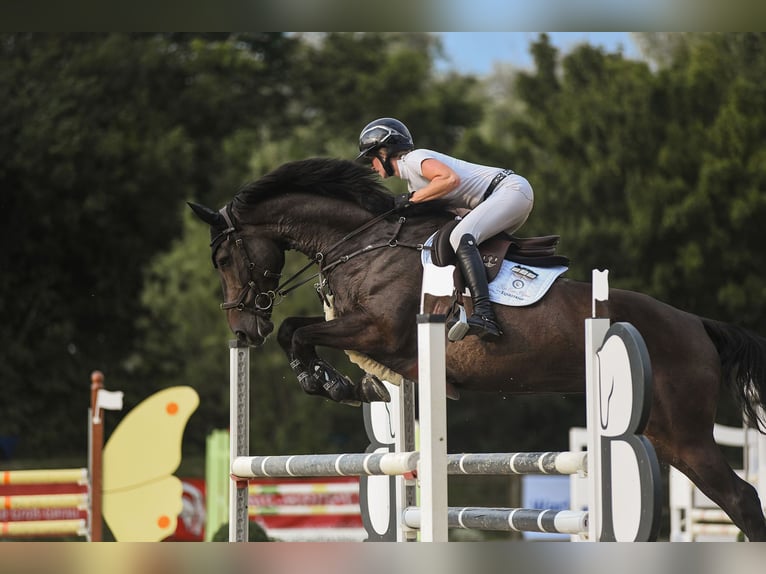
(534, 251)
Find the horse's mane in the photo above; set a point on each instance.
(326, 177)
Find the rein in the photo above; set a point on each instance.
(265, 300)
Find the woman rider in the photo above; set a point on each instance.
(498, 200)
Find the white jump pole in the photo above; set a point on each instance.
(432, 393)
(318, 465)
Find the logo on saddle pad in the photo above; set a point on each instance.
(490, 260)
(524, 272)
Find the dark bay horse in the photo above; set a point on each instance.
(368, 258)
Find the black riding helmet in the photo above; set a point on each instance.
(389, 133)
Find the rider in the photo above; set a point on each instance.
(498, 200)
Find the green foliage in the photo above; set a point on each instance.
(78, 156)
(104, 136)
(648, 172)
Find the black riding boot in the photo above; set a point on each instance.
(482, 322)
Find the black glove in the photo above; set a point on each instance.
(402, 201)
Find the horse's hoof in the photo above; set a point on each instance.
(371, 389)
(335, 386)
(452, 392)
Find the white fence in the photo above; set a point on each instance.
(696, 518)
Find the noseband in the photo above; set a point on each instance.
(261, 302)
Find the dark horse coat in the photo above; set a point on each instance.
(337, 214)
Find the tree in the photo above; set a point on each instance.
(104, 136)
(711, 165)
(78, 149)
(650, 168)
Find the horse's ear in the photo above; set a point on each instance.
(208, 215)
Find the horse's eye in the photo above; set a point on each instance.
(224, 261)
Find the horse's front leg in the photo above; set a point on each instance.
(303, 358)
(299, 336)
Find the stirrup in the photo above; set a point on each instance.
(460, 328)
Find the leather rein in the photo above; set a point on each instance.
(263, 302)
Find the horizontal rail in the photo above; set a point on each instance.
(307, 488)
(306, 510)
(44, 476)
(508, 519)
(44, 528)
(714, 529)
(518, 463)
(308, 465)
(330, 534)
(709, 515)
(45, 501)
(368, 464)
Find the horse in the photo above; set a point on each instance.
(368, 271)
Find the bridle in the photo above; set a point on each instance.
(263, 302)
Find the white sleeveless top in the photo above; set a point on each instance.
(474, 178)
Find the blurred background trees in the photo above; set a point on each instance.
(654, 169)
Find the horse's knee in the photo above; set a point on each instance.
(293, 332)
(285, 335)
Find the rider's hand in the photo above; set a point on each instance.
(402, 201)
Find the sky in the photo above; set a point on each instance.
(477, 52)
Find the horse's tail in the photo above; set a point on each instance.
(743, 365)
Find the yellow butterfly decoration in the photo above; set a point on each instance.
(141, 498)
